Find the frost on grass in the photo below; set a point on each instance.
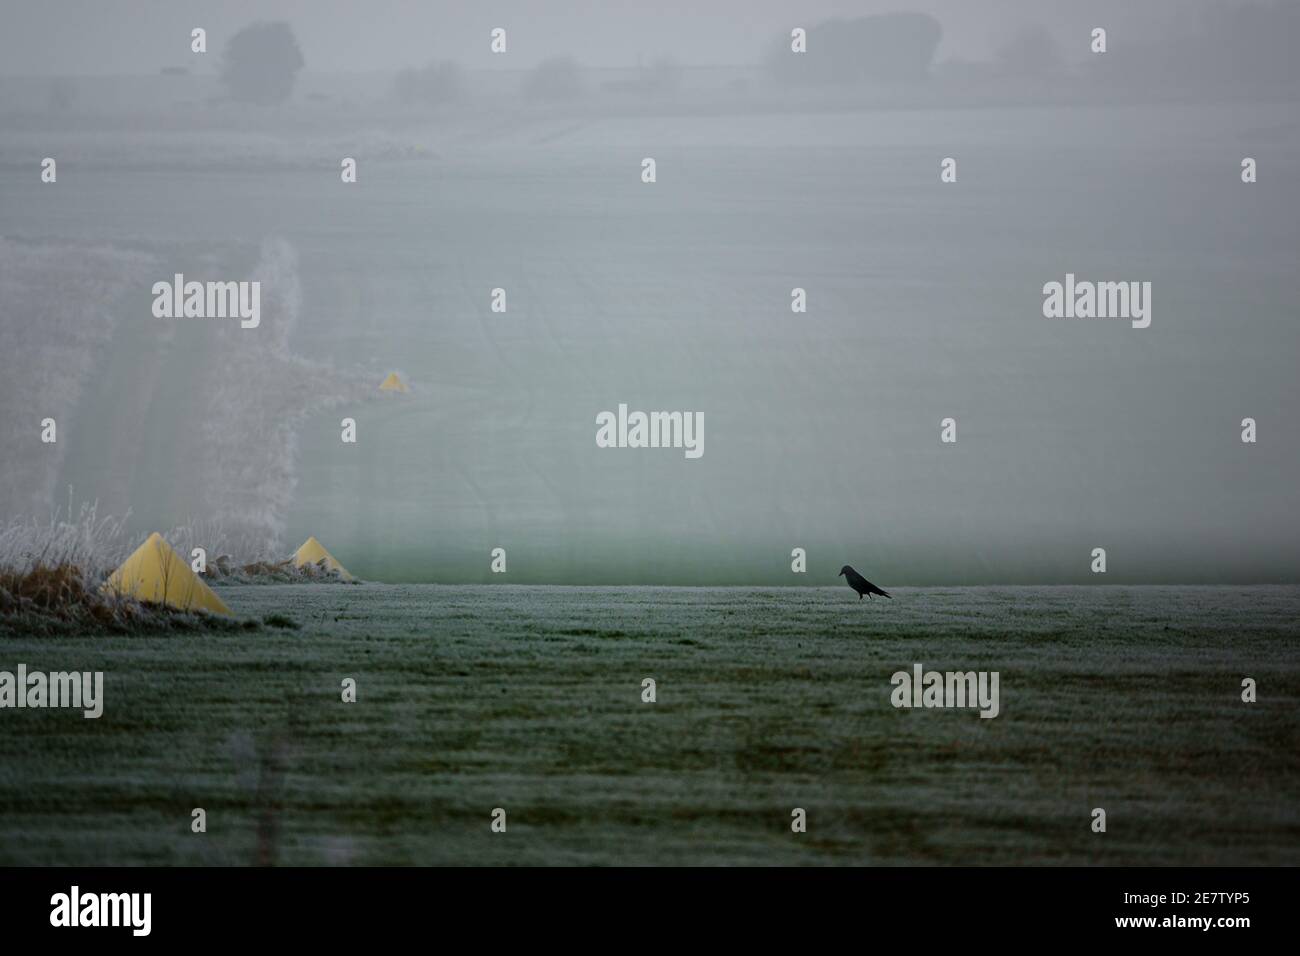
(232, 560)
(55, 600)
(59, 321)
(247, 475)
(225, 570)
(162, 418)
(52, 575)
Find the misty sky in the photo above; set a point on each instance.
(96, 37)
(822, 427)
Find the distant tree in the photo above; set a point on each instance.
(557, 78)
(1031, 51)
(888, 48)
(261, 62)
(434, 84)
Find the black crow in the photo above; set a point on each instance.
(860, 584)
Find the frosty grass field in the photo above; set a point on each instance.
(528, 698)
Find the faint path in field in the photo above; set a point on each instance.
(61, 303)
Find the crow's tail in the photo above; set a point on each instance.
(885, 594)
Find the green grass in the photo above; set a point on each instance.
(471, 698)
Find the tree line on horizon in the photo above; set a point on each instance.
(1246, 46)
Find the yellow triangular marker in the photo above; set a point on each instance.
(154, 572)
(392, 384)
(313, 552)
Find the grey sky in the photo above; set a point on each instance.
(823, 428)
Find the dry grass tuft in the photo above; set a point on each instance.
(51, 575)
(270, 572)
(55, 600)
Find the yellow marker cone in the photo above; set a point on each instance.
(313, 552)
(154, 572)
(392, 384)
